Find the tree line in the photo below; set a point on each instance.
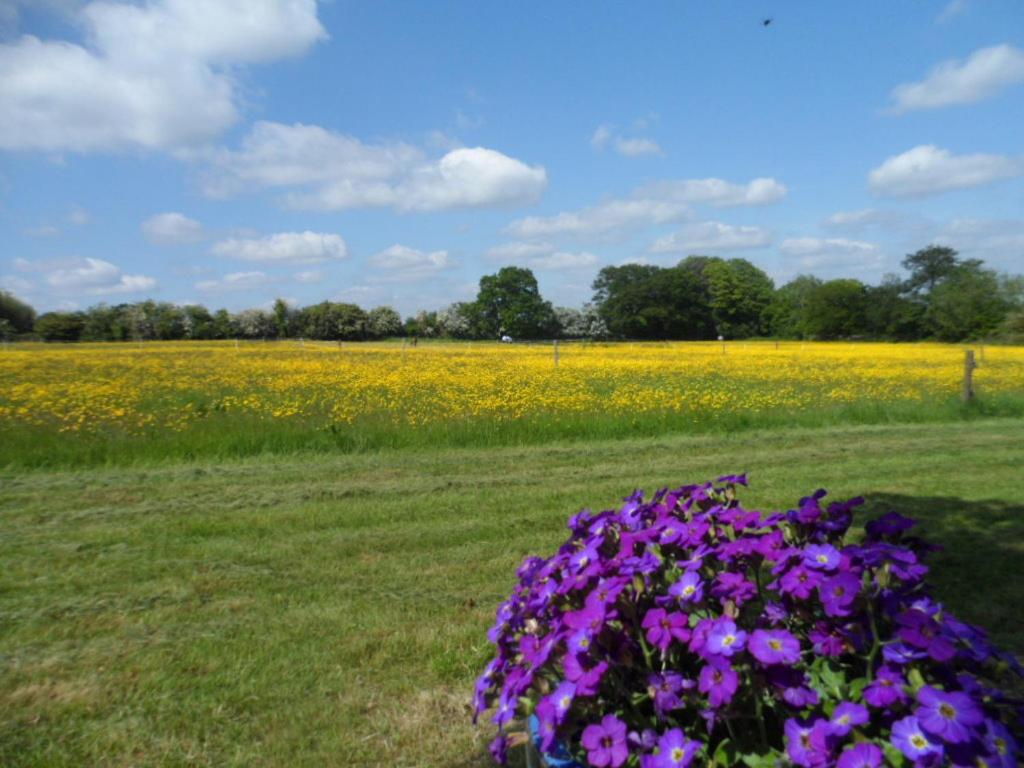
(943, 297)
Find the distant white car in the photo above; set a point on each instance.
(506, 339)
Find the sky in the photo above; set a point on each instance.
(228, 152)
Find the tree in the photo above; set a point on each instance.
(787, 314)
(647, 302)
(283, 318)
(382, 322)
(583, 323)
(890, 314)
(739, 295)
(334, 322)
(836, 310)
(60, 326)
(457, 320)
(254, 324)
(928, 267)
(222, 327)
(197, 321)
(967, 304)
(17, 313)
(509, 302)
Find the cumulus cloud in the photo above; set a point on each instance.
(154, 76)
(309, 276)
(1000, 242)
(952, 9)
(982, 75)
(855, 222)
(172, 228)
(234, 281)
(604, 136)
(78, 216)
(711, 236)
(518, 250)
(724, 194)
(540, 256)
(95, 277)
(334, 171)
(927, 170)
(563, 260)
(400, 263)
(610, 218)
(662, 202)
(832, 253)
(285, 247)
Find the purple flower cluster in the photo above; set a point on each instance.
(685, 628)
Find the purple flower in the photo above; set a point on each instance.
(735, 587)
(846, 717)
(605, 742)
(807, 743)
(725, 639)
(799, 582)
(674, 750)
(902, 653)
(821, 557)
(689, 589)
(719, 681)
(947, 716)
(889, 524)
(909, 739)
(838, 593)
(1001, 746)
(561, 700)
(587, 679)
(663, 627)
(886, 690)
(776, 646)
(547, 727)
(499, 749)
(667, 687)
(863, 755)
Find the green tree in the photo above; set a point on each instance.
(890, 314)
(282, 318)
(836, 310)
(739, 295)
(60, 326)
(17, 313)
(648, 302)
(383, 322)
(967, 304)
(509, 302)
(928, 267)
(786, 316)
(222, 327)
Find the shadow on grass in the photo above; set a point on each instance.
(978, 572)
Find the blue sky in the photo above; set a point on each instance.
(231, 151)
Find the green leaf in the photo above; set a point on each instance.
(725, 754)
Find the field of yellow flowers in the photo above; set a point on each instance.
(191, 397)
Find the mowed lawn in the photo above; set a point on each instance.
(331, 610)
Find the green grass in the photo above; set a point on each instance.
(330, 609)
(229, 436)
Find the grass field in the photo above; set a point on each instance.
(92, 404)
(330, 609)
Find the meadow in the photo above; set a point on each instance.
(331, 610)
(289, 553)
(94, 403)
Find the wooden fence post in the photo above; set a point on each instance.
(969, 366)
(556, 353)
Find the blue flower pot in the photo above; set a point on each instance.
(560, 758)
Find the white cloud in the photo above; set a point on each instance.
(658, 203)
(541, 256)
(953, 9)
(16, 285)
(43, 231)
(95, 276)
(724, 194)
(335, 172)
(518, 250)
(1000, 242)
(235, 281)
(400, 263)
(563, 260)
(855, 222)
(637, 147)
(605, 219)
(816, 252)
(172, 228)
(927, 170)
(285, 247)
(981, 76)
(629, 147)
(154, 76)
(309, 276)
(78, 216)
(712, 236)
